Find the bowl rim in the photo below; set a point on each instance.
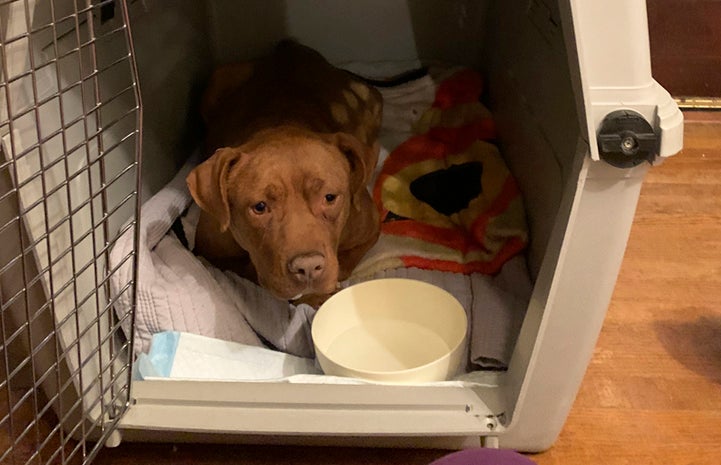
(446, 355)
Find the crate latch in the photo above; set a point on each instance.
(626, 139)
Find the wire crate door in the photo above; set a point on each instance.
(70, 125)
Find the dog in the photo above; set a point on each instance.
(283, 196)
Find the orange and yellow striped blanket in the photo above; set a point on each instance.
(447, 199)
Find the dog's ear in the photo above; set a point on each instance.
(208, 184)
(360, 157)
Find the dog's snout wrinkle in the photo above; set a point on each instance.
(307, 267)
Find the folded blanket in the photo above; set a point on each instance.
(447, 200)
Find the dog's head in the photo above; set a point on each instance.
(285, 197)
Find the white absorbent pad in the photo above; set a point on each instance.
(189, 356)
(183, 356)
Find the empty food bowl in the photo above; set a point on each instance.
(391, 330)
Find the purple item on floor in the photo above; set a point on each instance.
(484, 457)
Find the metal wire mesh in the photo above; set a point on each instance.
(70, 130)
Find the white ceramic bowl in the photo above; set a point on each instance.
(390, 330)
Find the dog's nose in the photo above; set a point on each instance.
(307, 267)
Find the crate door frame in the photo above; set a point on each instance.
(71, 128)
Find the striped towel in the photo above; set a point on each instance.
(447, 200)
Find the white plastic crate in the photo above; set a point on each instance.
(73, 127)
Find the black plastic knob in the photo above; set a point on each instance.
(626, 139)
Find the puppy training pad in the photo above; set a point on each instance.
(189, 356)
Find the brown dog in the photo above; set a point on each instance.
(283, 197)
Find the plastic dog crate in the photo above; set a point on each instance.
(86, 87)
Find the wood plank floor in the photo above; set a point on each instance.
(652, 393)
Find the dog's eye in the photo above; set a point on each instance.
(330, 198)
(260, 208)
